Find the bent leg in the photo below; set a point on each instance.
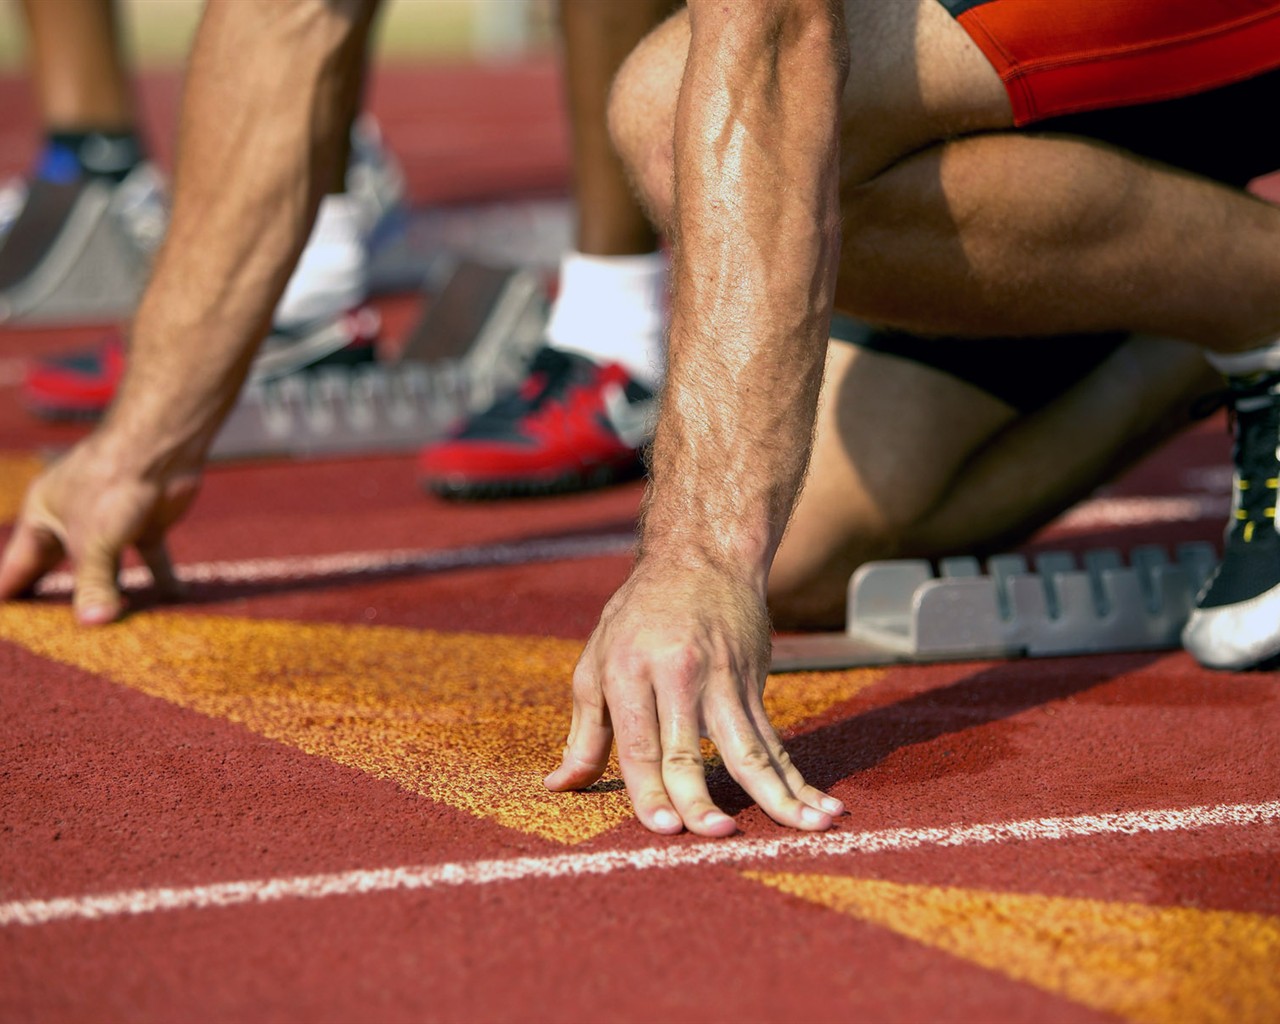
(1008, 234)
(78, 63)
(915, 77)
(961, 472)
(597, 38)
(953, 223)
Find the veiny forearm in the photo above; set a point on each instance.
(263, 121)
(756, 243)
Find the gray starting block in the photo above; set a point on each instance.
(342, 411)
(900, 611)
(474, 340)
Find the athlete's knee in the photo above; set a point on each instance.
(642, 113)
(809, 579)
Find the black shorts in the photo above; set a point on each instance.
(1026, 373)
(1199, 133)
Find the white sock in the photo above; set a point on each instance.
(1265, 359)
(613, 309)
(332, 274)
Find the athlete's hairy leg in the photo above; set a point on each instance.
(961, 472)
(267, 101)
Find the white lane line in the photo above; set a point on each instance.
(372, 563)
(1090, 515)
(700, 854)
(1104, 512)
(1099, 512)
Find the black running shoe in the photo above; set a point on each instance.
(1236, 622)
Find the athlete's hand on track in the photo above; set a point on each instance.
(90, 507)
(678, 655)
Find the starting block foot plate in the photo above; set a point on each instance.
(903, 612)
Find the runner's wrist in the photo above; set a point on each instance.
(132, 446)
(731, 553)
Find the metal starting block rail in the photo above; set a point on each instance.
(475, 340)
(901, 611)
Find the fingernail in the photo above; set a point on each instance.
(665, 819)
(717, 818)
(96, 615)
(831, 805)
(813, 816)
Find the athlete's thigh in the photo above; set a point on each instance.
(915, 77)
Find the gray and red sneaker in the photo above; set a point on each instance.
(80, 385)
(572, 425)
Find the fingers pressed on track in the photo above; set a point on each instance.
(795, 781)
(749, 761)
(586, 752)
(97, 599)
(685, 775)
(635, 724)
(155, 555)
(30, 554)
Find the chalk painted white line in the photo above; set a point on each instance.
(1090, 515)
(371, 563)
(693, 855)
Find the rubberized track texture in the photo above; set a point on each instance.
(312, 791)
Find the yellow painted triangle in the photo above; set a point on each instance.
(1165, 965)
(16, 472)
(472, 720)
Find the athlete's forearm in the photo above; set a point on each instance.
(756, 243)
(263, 123)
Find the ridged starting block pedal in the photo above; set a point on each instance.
(475, 339)
(342, 411)
(900, 611)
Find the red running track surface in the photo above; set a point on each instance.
(311, 792)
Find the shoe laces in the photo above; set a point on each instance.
(1254, 419)
(551, 373)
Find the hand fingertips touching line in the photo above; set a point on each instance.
(96, 605)
(820, 801)
(663, 820)
(97, 598)
(575, 772)
(585, 758)
(163, 578)
(28, 556)
(751, 763)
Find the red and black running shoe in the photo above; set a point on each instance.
(80, 385)
(572, 425)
